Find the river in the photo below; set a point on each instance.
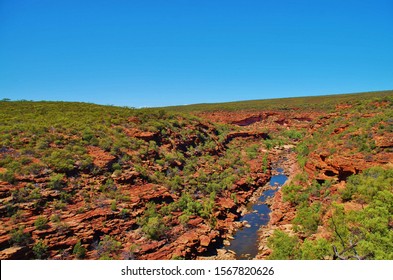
(245, 242)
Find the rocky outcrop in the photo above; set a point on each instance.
(325, 166)
(88, 207)
(245, 134)
(143, 135)
(110, 196)
(248, 121)
(101, 158)
(384, 141)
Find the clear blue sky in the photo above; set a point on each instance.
(158, 53)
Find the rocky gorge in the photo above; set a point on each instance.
(157, 185)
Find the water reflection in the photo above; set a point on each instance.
(245, 243)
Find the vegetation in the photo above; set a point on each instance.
(327, 103)
(41, 223)
(20, 237)
(148, 171)
(40, 249)
(283, 246)
(152, 223)
(356, 234)
(79, 251)
(108, 248)
(358, 218)
(367, 231)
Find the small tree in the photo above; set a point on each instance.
(79, 251)
(41, 223)
(154, 227)
(56, 181)
(18, 236)
(284, 246)
(40, 249)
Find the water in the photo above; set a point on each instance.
(245, 243)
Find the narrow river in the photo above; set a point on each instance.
(245, 242)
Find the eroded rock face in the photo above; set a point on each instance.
(339, 153)
(325, 166)
(14, 253)
(101, 158)
(384, 141)
(272, 120)
(248, 121)
(97, 207)
(246, 134)
(87, 207)
(143, 135)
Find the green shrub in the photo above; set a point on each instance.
(116, 166)
(108, 247)
(269, 143)
(21, 194)
(124, 213)
(113, 206)
(59, 205)
(302, 161)
(34, 169)
(40, 249)
(175, 184)
(18, 236)
(303, 149)
(154, 227)
(319, 249)
(265, 163)
(41, 223)
(61, 161)
(365, 186)
(184, 218)
(307, 218)
(79, 251)
(56, 181)
(89, 136)
(55, 218)
(17, 216)
(65, 197)
(252, 151)
(294, 194)
(8, 176)
(369, 228)
(294, 134)
(284, 246)
(152, 223)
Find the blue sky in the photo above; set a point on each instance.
(158, 53)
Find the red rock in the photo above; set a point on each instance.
(227, 203)
(5, 241)
(152, 246)
(188, 237)
(384, 141)
(178, 252)
(144, 135)
(14, 253)
(100, 157)
(127, 177)
(135, 120)
(245, 134)
(204, 240)
(195, 221)
(276, 216)
(248, 120)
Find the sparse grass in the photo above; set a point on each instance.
(326, 103)
(47, 157)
